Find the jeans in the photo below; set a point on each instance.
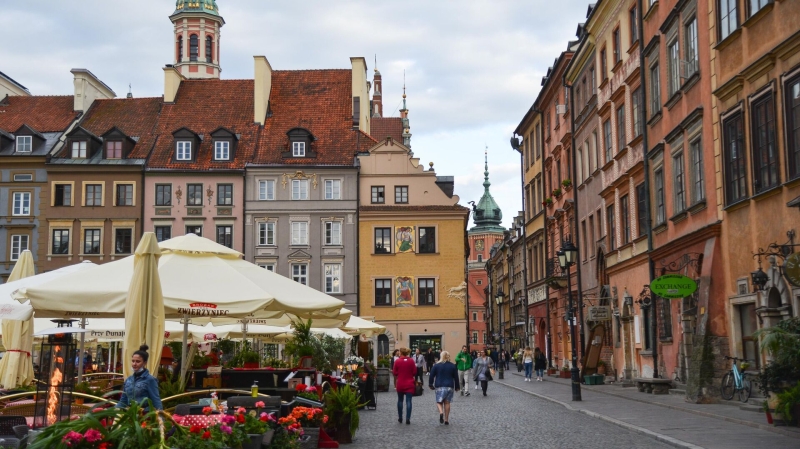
(540, 373)
(484, 384)
(464, 377)
(419, 375)
(408, 397)
(528, 369)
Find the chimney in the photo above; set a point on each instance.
(87, 89)
(262, 84)
(172, 81)
(360, 89)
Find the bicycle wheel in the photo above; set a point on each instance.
(727, 387)
(744, 393)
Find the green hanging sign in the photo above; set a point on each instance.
(673, 286)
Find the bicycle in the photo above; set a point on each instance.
(735, 381)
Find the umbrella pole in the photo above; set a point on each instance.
(375, 350)
(80, 351)
(185, 322)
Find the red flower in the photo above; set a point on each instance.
(144, 425)
(301, 387)
(207, 410)
(240, 419)
(195, 429)
(206, 435)
(104, 446)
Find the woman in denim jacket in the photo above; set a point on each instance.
(141, 385)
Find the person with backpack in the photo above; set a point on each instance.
(464, 365)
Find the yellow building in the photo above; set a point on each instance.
(412, 251)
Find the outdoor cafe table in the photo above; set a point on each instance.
(270, 381)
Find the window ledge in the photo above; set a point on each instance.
(616, 67)
(660, 228)
(651, 10)
(634, 46)
(655, 118)
(620, 153)
(679, 217)
(383, 305)
(673, 100)
(59, 255)
(383, 254)
(91, 255)
(646, 352)
(697, 207)
(752, 20)
(738, 204)
(767, 192)
(332, 246)
(635, 141)
(721, 45)
(691, 81)
(427, 254)
(625, 246)
(607, 165)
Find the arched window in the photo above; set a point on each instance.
(180, 48)
(193, 49)
(209, 49)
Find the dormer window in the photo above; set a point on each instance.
(79, 149)
(298, 149)
(24, 144)
(222, 150)
(114, 149)
(184, 152)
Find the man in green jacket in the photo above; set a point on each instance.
(464, 365)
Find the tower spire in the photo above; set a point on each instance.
(404, 116)
(488, 216)
(486, 182)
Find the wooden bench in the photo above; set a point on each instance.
(654, 386)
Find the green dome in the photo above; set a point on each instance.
(207, 6)
(488, 215)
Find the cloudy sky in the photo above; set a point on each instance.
(472, 67)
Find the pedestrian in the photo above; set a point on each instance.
(395, 356)
(539, 364)
(464, 365)
(507, 360)
(404, 371)
(430, 359)
(503, 360)
(527, 358)
(419, 361)
(141, 385)
(482, 369)
(444, 380)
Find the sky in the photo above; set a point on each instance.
(472, 68)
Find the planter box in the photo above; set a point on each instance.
(564, 374)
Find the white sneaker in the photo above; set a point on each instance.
(476, 387)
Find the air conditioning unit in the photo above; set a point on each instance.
(561, 109)
(688, 68)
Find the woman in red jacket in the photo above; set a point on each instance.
(404, 371)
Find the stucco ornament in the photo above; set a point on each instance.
(459, 292)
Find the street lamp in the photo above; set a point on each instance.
(760, 279)
(499, 300)
(566, 258)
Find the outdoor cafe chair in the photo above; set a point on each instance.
(13, 431)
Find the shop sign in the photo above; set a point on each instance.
(599, 313)
(536, 294)
(792, 269)
(673, 286)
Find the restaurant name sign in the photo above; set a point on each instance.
(673, 286)
(202, 309)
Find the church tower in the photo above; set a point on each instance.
(197, 31)
(377, 94)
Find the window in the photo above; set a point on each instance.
(378, 195)
(333, 232)
(641, 210)
(180, 48)
(655, 90)
(792, 108)
(60, 241)
(333, 189)
(22, 204)
(603, 64)
(299, 233)
(194, 229)
(19, 243)
(300, 189)
(268, 266)
(225, 235)
(427, 292)
(584, 251)
(474, 316)
(333, 278)
(728, 18)
(756, 5)
(94, 195)
(661, 215)
(626, 220)
(163, 194)
(692, 52)
(617, 45)
(224, 194)
(383, 292)
(209, 49)
(24, 144)
(427, 240)
(401, 194)
(591, 238)
(184, 150)
(91, 241)
(765, 153)
(698, 187)
(480, 259)
(673, 65)
(383, 240)
(163, 233)
(123, 241)
(23, 177)
(298, 149)
(537, 143)
(300, 273)
(648, 346)
(79, 149)
(678, 183)
(114, 150)
(222, 150)
(735, 165)
(193, 48)
(636, 99)
(266, 190)
(593, 161)
(621, 139)
(124, 194)
(612, 227)
(607, 139)
(474, 337)
(266, 233)
(195, 195)
(634, 25)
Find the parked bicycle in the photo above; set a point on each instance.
(735, 381)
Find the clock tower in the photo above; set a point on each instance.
(197, 26)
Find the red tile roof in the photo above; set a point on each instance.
(412, 208)
(43, 113)
(383, 127)
(319, 101)
(136, 117)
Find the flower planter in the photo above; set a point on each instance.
(564, 374)
(342, 434)
(250, 365)
(254, 441)
(310, 438)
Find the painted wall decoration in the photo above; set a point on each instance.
(404, 291)
(404, 239)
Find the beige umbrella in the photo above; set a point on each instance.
(357, 325)
(144, 307)
(16, 368)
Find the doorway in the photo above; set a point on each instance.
(425, 342)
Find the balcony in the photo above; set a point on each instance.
(555, 276)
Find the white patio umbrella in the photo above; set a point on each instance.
(357, 325)
(16, 368)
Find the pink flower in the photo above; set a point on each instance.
(228, 419)
(260, 404)
(93, 435)
(97, 409)
(72, 438)
(225, 429)
(241, 410)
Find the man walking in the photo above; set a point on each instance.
(464, 365)
(419, 360)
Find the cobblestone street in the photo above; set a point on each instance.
(505, 418)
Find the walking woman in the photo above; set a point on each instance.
(527, 359)
(482, 370)
(444, 379)
(141, 385)
(404, 371)
(539, 364)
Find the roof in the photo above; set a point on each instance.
(488, 215)
(412, 208)
(43, 113)
(135, 117)
(319, 101)
(13, 81)
(383, 127)
(206, 6)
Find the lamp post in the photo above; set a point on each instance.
(499, 300)
(566, 258)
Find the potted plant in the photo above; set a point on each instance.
(601, 367)
(565, 373)
(567, 183)
(250, 359)
(201, 361)
(85, 388)
(787, 406)
(341, 406)
(548, 202)
(782, 342)
(310, 419)
(557, 192)
(302, 345)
